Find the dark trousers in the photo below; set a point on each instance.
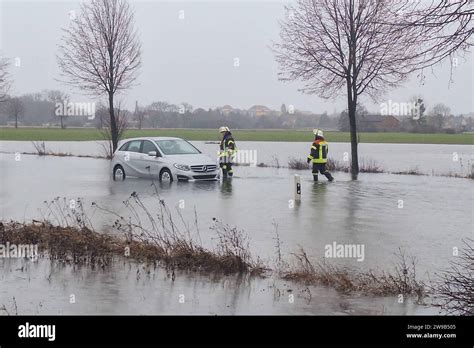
(321, 167)
(227, 169)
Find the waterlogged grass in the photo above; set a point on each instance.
(89, 134)
(401, 280)
(365, 165)
(82, 246)
(67, 235)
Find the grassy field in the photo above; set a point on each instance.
(83, 134)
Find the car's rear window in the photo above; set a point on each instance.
(133, 146)
(124, 147)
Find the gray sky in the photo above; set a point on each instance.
(192, 59)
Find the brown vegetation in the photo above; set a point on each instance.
(454, 289)
(72, 239)
(401, 281)
(366, 166)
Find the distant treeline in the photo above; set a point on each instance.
(41, 109)
(212, 118)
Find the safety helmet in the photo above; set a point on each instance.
(224, 129)
(318, 132)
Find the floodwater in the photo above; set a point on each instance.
(426, 158)
(42, 288)
(426, 216)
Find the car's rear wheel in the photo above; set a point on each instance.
(165, 175)
(118, 173)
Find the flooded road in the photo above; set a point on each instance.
(426, 158)
(424, 215)
(427, 216)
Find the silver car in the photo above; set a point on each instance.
(162, 158)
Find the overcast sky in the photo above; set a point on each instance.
(192, 59)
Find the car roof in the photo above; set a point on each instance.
(150, 138)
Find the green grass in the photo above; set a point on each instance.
(82, 134)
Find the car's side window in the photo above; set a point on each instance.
(148, 146)
(134, 146)
(124, 146)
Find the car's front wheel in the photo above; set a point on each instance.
(118, 173)
(165, 175)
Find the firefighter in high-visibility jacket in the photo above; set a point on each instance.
(227, 151)
(319, 155)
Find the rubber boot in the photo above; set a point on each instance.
(329, 176)
(315, 177)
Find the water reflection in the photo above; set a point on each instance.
(226, 187)
(318, 204)
(352, 205)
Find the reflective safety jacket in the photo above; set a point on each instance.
(227, 146)
(319, 151)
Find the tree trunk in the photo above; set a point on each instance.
(113, 123)
(62, 122)
(16, 121)
(352, 108)
(354, 152)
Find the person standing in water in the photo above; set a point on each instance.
(227, 151)
(319, 155)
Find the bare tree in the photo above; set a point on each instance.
(337, 46)
(160, 106)
(121, 124)
(185, 108)
(440, 112)
(58, 97)
(15, 109)
(101, 115)
(442, 28)
(100, 53)
(350, 47)
(454, 288)
(4, 79)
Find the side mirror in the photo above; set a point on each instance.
(152, 154)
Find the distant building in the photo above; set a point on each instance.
(226, 109)
(379, 123)
(259, 110)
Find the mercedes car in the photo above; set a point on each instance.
(163, 158)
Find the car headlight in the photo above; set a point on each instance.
(182, 166)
